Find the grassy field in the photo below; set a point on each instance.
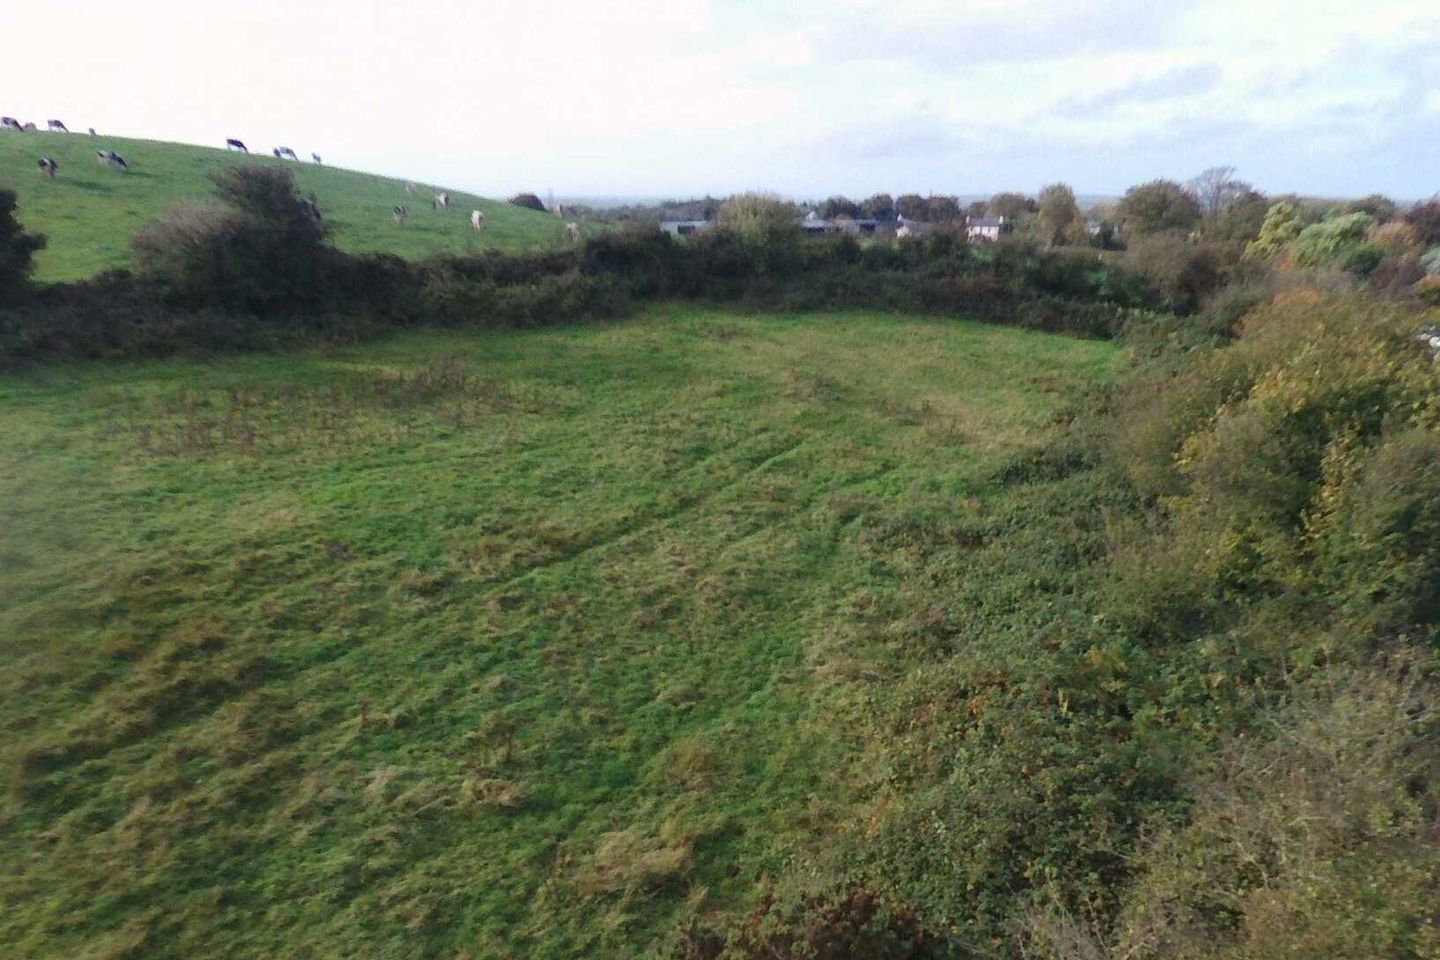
(495, 645)
(89, 212)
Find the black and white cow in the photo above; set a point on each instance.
(477, 220)
(93, 134)
(56, 125)
(233, 144)
(316, 158)
(10, 123)
(47, 166)
(109, 158)
(401, 215)
(285, 153)
(441, 201)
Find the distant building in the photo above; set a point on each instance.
(913, 229)
(861, 226)
(984, 228)
(686, 228)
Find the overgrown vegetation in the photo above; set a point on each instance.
(724, 637)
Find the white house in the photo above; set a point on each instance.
(984, 228)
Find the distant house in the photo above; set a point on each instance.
(984, 228)
(686, 228)
(861, 227)
(913, 229)
(815, 225)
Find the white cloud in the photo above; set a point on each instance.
(811, 96)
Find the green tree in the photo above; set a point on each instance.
(762, 221)
(1058, 220)
(1277, 232)
(1240, 221)
(942, 209)
(880, 207)
(1158, 205)
(1011, 206)
(17, 248)
(838, 207)
(912, 206)
(1338, 241)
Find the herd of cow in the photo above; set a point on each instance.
(113, 160)
(281, 153)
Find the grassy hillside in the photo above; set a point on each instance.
(510, 644)
(89, 212)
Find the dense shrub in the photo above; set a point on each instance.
(528, 200)
(1424, 219)
(259, 248)
(1182, 273)
(16, 249)
(844, 925)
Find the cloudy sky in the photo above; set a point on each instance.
(806, 97)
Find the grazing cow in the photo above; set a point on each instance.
(477, 220)
(572, 230)
(10, 123)
(285, 153)
(47, 166)
(276, 151)
(56, 125)
(441, 201)
(233, 144)
(30, 128)
(109, 158)
(93, 134)
(401, 215)
(316, 158)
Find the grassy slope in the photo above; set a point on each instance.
(89, 212)
(340, 655)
